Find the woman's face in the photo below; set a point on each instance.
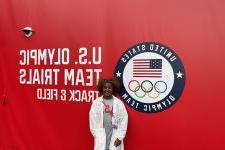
(107, 90)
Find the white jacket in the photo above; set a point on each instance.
(120, 119)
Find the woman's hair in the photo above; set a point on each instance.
(102, 81)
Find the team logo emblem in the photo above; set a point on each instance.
(152, 77)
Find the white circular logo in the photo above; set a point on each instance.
(152, 77)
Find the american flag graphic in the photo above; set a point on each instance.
(147, 68)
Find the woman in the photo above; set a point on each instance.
(108, 117)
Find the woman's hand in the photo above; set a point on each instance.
(117, 142)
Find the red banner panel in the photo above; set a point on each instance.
(164, 53)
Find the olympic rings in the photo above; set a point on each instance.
(140, 96)
(147, 87)
(154, 96)
(144, 89)
(136, 88)
(158, 83)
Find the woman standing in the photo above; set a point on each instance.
(108, 117)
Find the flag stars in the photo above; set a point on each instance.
(179, 74)
(118, 74)
(156, 63)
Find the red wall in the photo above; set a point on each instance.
(194, 29)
